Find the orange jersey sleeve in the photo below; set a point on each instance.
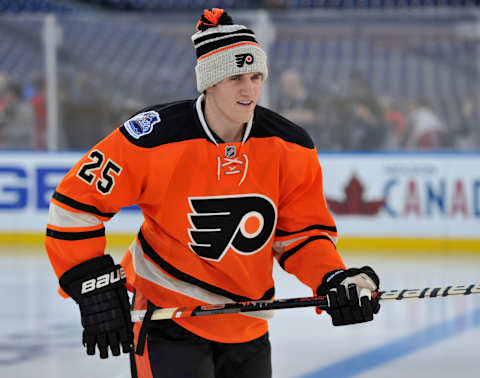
(306, 235)
(110, 176)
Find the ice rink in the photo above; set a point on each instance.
(40, 332)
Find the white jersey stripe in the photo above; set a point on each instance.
(279, 247)
(150, 272)
(58, 216)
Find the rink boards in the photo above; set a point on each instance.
(380, 201)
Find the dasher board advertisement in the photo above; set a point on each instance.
(433, 195)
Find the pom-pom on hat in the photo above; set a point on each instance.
(224, 49)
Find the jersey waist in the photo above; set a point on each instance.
(231, 328)
(143, 262)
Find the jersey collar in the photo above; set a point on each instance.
(206, 128)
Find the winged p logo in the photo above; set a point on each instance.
(244, 223)
(242, 59)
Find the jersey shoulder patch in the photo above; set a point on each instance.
(142, 123)
(161, 124)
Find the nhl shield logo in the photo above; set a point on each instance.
(142, 124)
(230, 151)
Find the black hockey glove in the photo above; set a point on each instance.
(351, 295)
(98, 286)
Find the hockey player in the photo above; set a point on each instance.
(225, 186)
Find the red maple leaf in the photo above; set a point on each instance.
(354, 202)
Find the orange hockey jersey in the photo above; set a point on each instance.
(216, 214)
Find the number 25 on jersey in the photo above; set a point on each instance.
(95, 170)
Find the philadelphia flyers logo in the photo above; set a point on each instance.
(242, 59)
(244, 223)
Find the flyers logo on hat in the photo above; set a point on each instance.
(244, 223)
(242, 59)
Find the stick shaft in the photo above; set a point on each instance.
(316, 301)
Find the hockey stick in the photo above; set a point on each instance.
(276, 304)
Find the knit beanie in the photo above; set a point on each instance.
(224, 49)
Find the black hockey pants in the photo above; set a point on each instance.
(174, 352)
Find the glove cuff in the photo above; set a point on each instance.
(94, 275)
(329, 280)
(336, 277)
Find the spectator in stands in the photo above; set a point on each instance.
(3, 89)
(467, 133)
(38, 102)
(17, 126)
(295, 103)
(361, 125)
(425, 130)
(367, 129)
(394, 120)
(86, 103)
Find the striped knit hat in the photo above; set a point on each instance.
(224, 49)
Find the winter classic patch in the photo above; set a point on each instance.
(142, 124)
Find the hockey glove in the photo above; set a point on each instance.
(98, 286)
(351, 295)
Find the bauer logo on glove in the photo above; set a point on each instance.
(102, 281)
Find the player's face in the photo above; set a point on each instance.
(236, 96)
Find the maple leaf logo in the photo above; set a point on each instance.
(354, 202)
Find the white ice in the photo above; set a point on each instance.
(40, 332)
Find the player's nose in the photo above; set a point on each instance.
(247, 87)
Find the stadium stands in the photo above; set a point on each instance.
(34, 6)
(16, 6)
(149, 58)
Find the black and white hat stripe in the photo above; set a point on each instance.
(197, 41)
(224, 36)
(223, 42)
(221, 36)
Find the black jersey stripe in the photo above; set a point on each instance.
(214, 45)
(178, 274)
(298, 247)
(320, 227)
(80, 206)
(75, 235)
(217, 35)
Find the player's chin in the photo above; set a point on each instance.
(245, 119)
(245, 112)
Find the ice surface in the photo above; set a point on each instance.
(41, 332)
